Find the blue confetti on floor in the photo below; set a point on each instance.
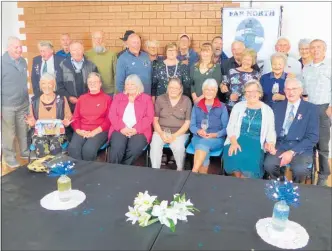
(200, 244)
(212, 210)
(217, 229)
(101, 229)
(214, 187)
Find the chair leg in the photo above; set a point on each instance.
(106, 154)
(147, 158)
(29, 157)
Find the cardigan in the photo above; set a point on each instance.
(268, 133)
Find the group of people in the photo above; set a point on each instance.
(264, 118)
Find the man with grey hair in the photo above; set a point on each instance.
(15, 102)
(46, 62)
(293, 66)
(65, 43)
(297, 128)
(74, 74)
(105, 61)
(317, 85)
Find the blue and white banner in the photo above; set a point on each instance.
(257, 28)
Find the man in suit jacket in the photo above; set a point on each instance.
(46, 62)
(297, 128)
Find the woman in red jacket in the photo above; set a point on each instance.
(90, 121)
(132, 116)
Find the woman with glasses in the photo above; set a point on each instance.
(304, 50)
(171, 124)
(235, 79)
(250, 132)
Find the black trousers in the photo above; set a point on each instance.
(300, 165)
(323, 143)
(86, 148)
(124, 150)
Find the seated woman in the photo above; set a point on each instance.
(132, 116)
(250, 132)
(209, 119)
(48, 106)
(235, 79)
(273, 83)
(172, 113)
(90, 121)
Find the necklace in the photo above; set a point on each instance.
(175, 71)
(251, 119)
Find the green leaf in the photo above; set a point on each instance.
(177, 198)
(172, 225)
(152, 221)
(156, 202)
(183, 197)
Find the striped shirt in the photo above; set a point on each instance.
(317, 82)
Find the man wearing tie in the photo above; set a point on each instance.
(46, 62)
(297, 128)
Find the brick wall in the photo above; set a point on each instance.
(162, 21)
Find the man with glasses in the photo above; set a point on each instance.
(317, 85)
(297, 128)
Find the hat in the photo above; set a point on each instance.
(126, 35)
(184, 35)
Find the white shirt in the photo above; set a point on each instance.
(317, 82)
(293, 66)
(50, 66)
(289, 105)
(129, 117)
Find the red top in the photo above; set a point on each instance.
(201, 104)
(144, 112)
(91, 111)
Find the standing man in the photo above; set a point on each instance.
(15, 102)
(186, 55)
(293, 65)
(124, 39)
(74, 74)
(46, 62)
(65, 42)
(317, 84)
(105, 61)
(134, 61)
(219, 55)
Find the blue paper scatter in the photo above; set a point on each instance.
(61, 168)
(212, 210)
(101, 229)
(200, 244)
(217, 229)
(214, 187)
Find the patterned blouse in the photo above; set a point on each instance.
(160, 77)
(235, 81)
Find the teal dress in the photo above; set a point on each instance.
(250, 160)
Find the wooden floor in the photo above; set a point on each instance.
(213, 169)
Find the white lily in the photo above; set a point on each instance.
(133, 214)
(144, 219)
(144, 201)
(182, 210)
(164, 213)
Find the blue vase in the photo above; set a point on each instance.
(280, 216)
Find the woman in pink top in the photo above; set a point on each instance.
(131, 115)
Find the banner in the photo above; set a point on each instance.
(257, 28)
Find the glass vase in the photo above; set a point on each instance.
(280, 215)
(64, 188)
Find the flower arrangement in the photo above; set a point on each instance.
(277, 190)
(148, 210)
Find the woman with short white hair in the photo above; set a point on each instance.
(250, 132)
(209, 119)
(131, 117)
(304, 50)
(152, 49)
